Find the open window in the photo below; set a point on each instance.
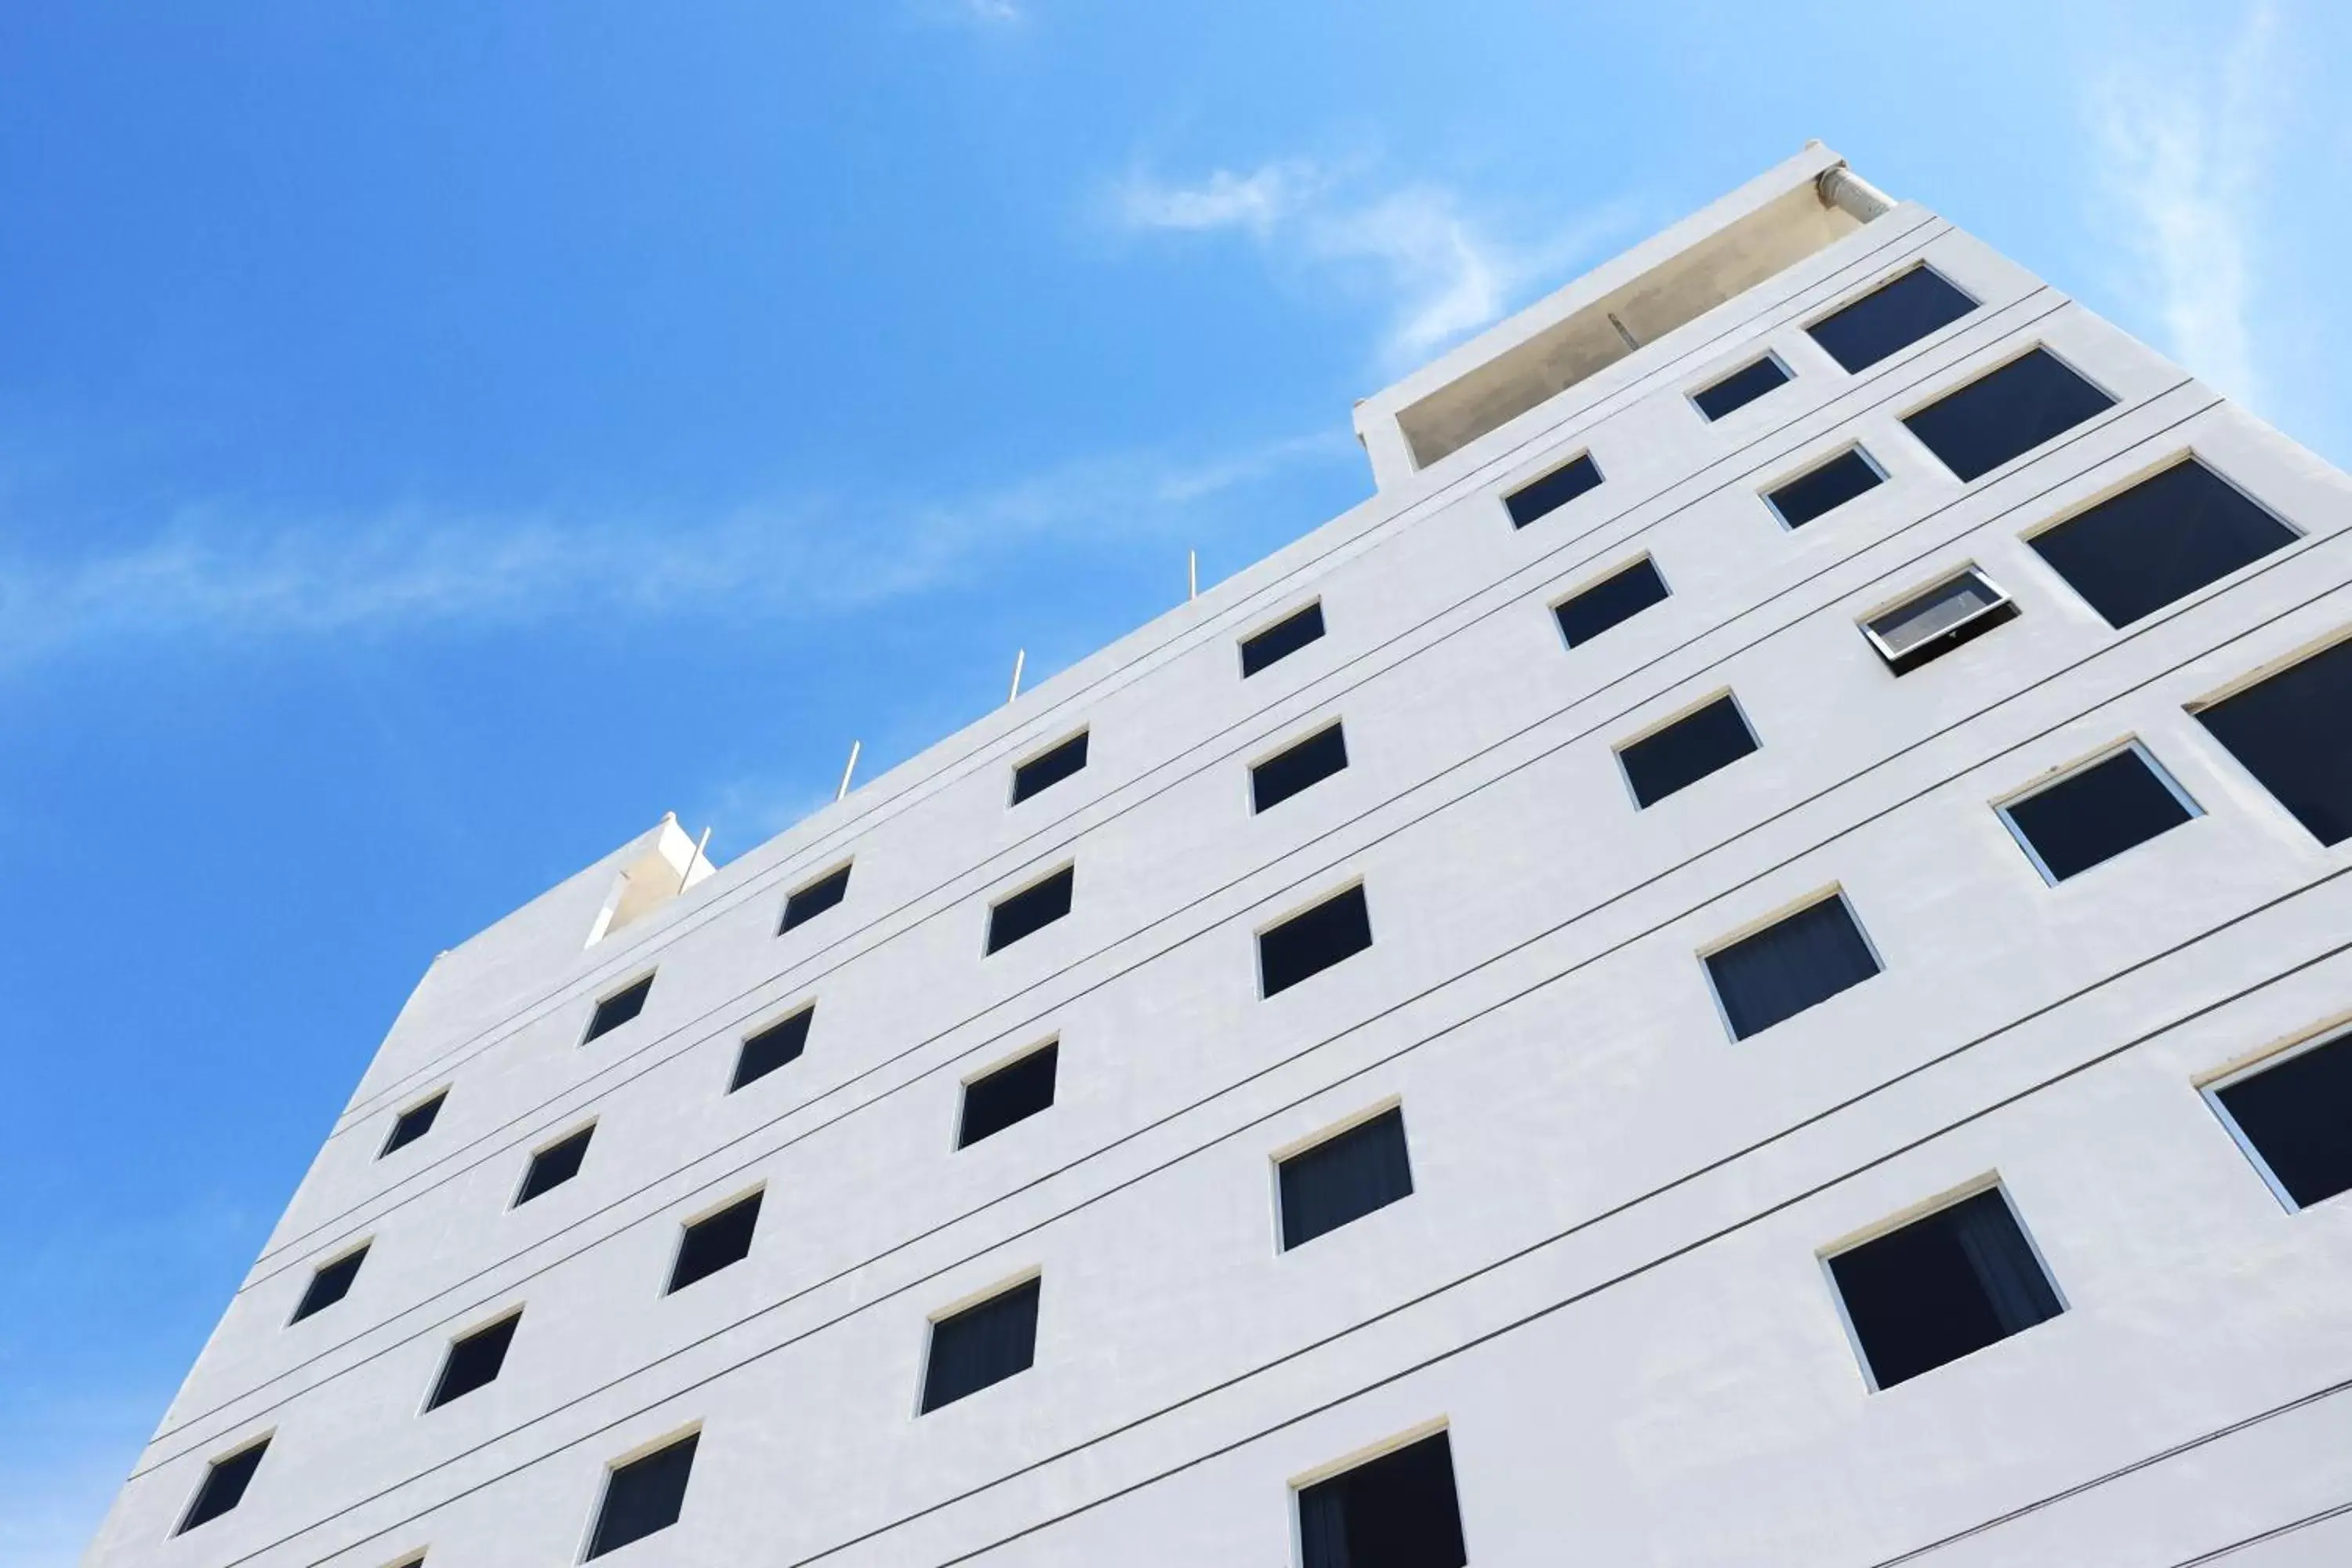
(1931, 623)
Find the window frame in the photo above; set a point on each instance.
(990, 907)
(2117, 404)
(2146, 474)
(1692, 394)
(2004, 606)
(775, 1020)
(1689, 710)
(963, 1086)
(1764, 922)
(619, 1462)
(295, 1315)
(511, 1314)
(1291, 743)
(1356, 1459)
(1852, 449)
(1505, 492)
(1259, 628)
(531, 1160)
(187, 1520)
(1856, 296)
(2338, 1032)
(2065, 771)
(686, 1225)
(1013, 800)
(387, 1148)
(1005, 1285)
(590, 1034)
(1585, 585)
(1292, 911)
(806, 883)
(1315, 1140)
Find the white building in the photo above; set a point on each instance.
(1844, 762)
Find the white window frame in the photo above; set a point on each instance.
(2080, 765)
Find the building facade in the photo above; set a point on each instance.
(1745, 964)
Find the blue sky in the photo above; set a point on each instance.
(438, 439)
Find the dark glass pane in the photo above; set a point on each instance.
(1343, 1178)
(771, 1047)
(2006, 413)
(1610, 601)
(2097, 814)
(412, 1124)
(1310, 943)
(1939, 620)
(1740, 388)
(1010, 1094)
(1552, 491)
(1818, 490)
(981, 1345)
(1956, 1281)
(1396, 1511)
(555, 1164)
(618, 1009)
(1891, 316)
(1052, 768)
(224, 1485)
(473, 1361)
(2293, 733)
(711, 1244)
(644, 1496)
(1687, 751)
(814, 899)
(330, 1285)
(2298, 1117)
(2159, 541)
(1282, 639)
(1311, 761)
(1784, 969)
(1030, 909)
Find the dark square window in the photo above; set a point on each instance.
(1396, 1511)
(1344, 1177)
(2096, 813)
(642, 1496)
(2006, 413)
(1282, 639)
(1890, 318)
(1930, 625)
(1817, 491)
(2159, 541)
(807, 903)
(1617, 598)
(330, 1285)
(1741, 387)
(224, 1485)
(1553, 492)
(771, 1047)
(1942, 1287)
(1314, 939)
(1014, 1092)
(2293, 733)
(1686, 750)
(411, 1125)
(1032, 909)
(711, 1243)
(618, 1009)
(473, 1361)
(2295, 1115)
(1788, 966)
(1048, 768)
(1311, 761)
(555, 1164)
(982, 1344)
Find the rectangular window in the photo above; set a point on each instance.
(224, 1485)
(618, 1009)
(811, 900)
(2096, 811)
(1616, 598)
(1344, 1177)
(1049, 767)
(1032, 909)
(2006, 413)
(771, 1047)
(1288, 771)
(555, 1164)
(1931, 624)
(2289, 731)
(1313, 940)
(642, 1496)
(1796, 962)
(1890, 318)
(1942, 1287)
(1396, 1511)
(473, 1361)
(1684, 751)
(981, 1345)
(715, 1241)
(411, 1125)
(2290, 1115)
(1825, 488)
(1741, 387)
(1014, 1092)
(2159, 542)
(1282, 639)
(1553, 492)
(330, 1283)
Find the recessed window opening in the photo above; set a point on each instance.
(771, 1047)
(1314, 939)
(1890, 318)
(982, 1344)
(1003, 1096)
(1282, 639)
(806, 903)
(1741, 387)
(1798, 961)
(714, 1242)
(1678, 754)
(473, 1361)
(2289, 1114)
(2006, 413)
(2096, 811)
(2289, 731)
(1398, 1510)
(1824, 487)
(1049, 767)
(1553, 492)
(1943, 1286)
(642, 1496)
(223, 1487)
(1344, 1177)
(1306, 763)
(2159, 542)
(412, 1124)
(1616, 598)
(1031, 910)
(557, 1164)
(1931, 624)
(619, 1007)
(331, 1282)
